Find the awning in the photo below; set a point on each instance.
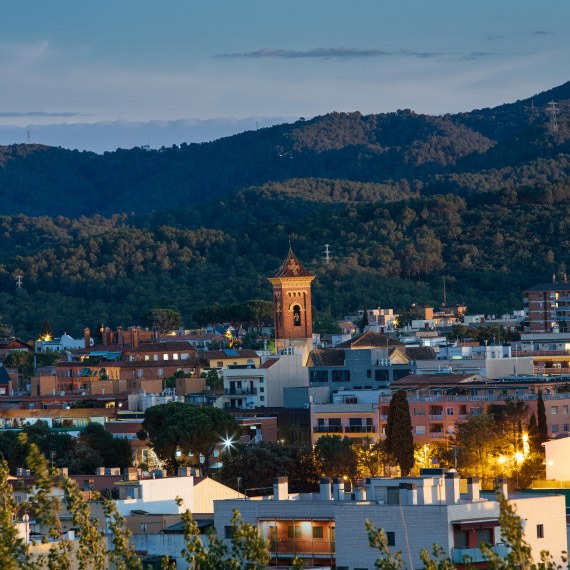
(474, 524)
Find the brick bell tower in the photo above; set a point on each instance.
(292, 306)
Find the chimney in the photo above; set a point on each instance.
(473, 488)
(408, 493)
(134, 337)
(87, 337)
(501, 487)
(451, 487)
(325, 489)
(280, 489)
(338, 489)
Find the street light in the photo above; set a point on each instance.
(26, 519)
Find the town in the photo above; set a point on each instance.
(394, 433)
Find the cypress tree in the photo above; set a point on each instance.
(399, 436)
(541, 419)
(533, 434)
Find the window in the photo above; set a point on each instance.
(341, 375)
(262, 389)
(391, 536)
(319, 376)
(262, 398)
(184, 356)
(318, 532)
(449, 411)
(369, 374)
(296, 315)
(219, 364)
(174, 356)
(155, 357)
(419, 412)
(420, 430)
(565, 427)
(381, 375)
(160, 372)
(294, 531)
(564, 409)
(539, 531)
(140, 373)
(228, 531)
(165, 357)
(147, 356)
(554, 428)
(554, 410)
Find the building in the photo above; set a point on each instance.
(246, 386)
(220, 359)
(548, 306)
(292, 307)
(63, 343)
(328, 528)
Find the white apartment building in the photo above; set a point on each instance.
(328, 527)
(247, 387)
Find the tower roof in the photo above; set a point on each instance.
(292, 268)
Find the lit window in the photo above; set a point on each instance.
(175, 356)
(165, 356)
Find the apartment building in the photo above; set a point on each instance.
(548, 306)
(328, 528)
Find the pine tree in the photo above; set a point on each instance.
(541, 420)
(399, 436)
(364, 321)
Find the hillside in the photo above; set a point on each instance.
(417, 153)
(482, 199)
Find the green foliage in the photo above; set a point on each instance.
(247, 551)
(258, 465)
(336, 457)
(399, 434)
(541, 423)
(192, 430)
(163, 320)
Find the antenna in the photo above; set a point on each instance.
(444, 293)
(552, 111)
(327, 253)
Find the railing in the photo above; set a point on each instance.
(327, 429)
(436, 416)
(475, 555)
(501, 397)
(240, 391)
(551, 371)
(360, 429)
(437, 434)
(540, 352)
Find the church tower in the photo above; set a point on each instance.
(292, 306)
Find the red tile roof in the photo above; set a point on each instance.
(292, 268)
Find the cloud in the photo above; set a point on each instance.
(477, 55)
(541, 32)
(40, 114)
(342, 52)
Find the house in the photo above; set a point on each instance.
(328, 528)
(63, 343)
(221, 359)
(8, 345)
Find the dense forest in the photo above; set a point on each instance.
(404, 200)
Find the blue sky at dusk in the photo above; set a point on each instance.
(192, 69)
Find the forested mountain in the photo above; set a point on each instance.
(418, 153)
(404, 200)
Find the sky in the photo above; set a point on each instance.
(99, 75)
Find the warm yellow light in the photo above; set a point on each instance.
(46, 338)
(501, 459)
(519, 457)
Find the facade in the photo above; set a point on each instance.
(358, 368)
(63, 343)
(230, 357)
(548, 306)
(248, 387)
(292, 307)
(357, 421)
(328, 528)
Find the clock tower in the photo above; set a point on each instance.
(292, 306)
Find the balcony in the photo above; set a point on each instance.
(327, 429)
(436, 416)
(475, 555)
(384, 417)
(551, 371)
(437, 435)
(359, 429)
(240, 391)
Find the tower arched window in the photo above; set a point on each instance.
(296, 315)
